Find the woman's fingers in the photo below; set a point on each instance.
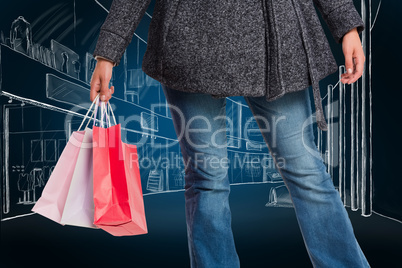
(354, 73)
(95, 86)
(354, 57)
(105, 94)
(359, 66)
(349, 65)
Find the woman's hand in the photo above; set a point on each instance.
(354, 57)
(100, 80)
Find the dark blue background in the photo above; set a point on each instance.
(264, 236)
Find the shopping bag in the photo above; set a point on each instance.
(79, 206)
(119, 206)
(52, 201)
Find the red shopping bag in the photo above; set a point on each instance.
(118, 199)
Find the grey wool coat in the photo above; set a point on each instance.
(233, 47)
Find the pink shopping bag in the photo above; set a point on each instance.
(51, 204)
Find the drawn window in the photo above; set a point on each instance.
(50, 150)
(61, 144)
(36, 150)
(149, 121)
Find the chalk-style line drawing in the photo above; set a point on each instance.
(66, 89)
(274, 176)
(179, 177)
(65, 59)
(341, 138)
(21, 36)
(18, 216)
(155, 181)
(358, 127)
(149, 121)
(367, 173)
(279, 197)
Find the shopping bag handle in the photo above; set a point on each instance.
(96, 100)
(95, 112)
(104, 110)
(110, 108)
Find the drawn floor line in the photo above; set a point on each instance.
(173, 191)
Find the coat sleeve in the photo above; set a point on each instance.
(341, 16)
(118, 28)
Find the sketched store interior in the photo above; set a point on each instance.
(40, 111)
(46, 67)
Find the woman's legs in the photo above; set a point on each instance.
(200, 125)
(287, 128)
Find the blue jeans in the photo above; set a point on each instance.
(200, 124)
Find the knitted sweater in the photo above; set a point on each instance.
(233, 47)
